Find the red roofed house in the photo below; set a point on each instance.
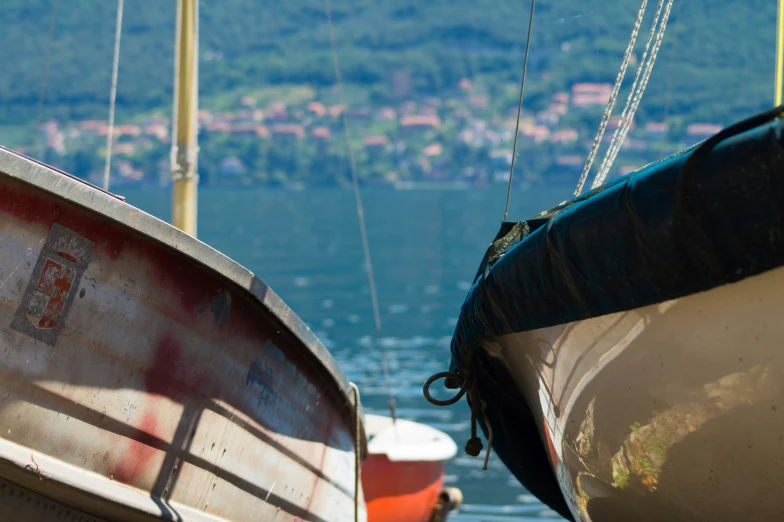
(94, 127)
(317, 108)
(376, 143)
(701, 131)
(321, 133)
(420, 122)
(591, 88)
(433, 150)
(657, 129)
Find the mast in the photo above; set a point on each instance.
(184, 151)
(779, 54)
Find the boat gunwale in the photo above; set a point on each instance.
(113, 207)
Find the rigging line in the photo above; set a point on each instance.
(42, 90)
(627, 123)
(519, 109)
(360, 214)
(673, 52)
(113, 94)
(642, 67)
(643, 85)
(611, 103)
(779, 54)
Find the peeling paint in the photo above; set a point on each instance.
(221, 305)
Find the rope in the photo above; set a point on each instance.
(611, 103)
(361, 217)
(670, 68)
(467, 385)
(519, 109)
(636, 103)
(113, 94)
(444, 375)
(489, 434)
(42, 90)
(635, 94)
(357, 441)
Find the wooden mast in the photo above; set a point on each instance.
(184, 151)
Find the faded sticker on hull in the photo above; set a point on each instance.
(52, 287)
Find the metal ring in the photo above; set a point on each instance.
(444, 375)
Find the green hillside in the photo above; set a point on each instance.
(717, 58)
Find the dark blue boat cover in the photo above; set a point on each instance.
(707, 216)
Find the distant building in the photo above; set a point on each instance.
(336, 110)
(420, 122)
(231, 167)
(245, 129)
(564, 136)
(375, 143)
(433, 150)
(387, 114)
(123, 149)
(288, 130)
(127, 130)
(360, 113)
(94, 127)
(589, 94)
(547, 117)
(701, 131)
(571, 163)
(591, 88)
(159, 131)
(317, 108)
(276, 112)
(321, 133)
(535, 133)
(247, 101)
(656, 129)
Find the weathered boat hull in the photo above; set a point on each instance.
(669, 412)
(143, 374)
(403, 475)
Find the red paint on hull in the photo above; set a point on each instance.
(401, 491)
(141, 449)
(160, 377)
(37, 208)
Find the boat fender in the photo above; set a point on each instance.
(474, 445)
(448, 500)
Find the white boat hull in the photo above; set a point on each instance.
(669, 412)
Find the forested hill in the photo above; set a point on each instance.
(717, 58)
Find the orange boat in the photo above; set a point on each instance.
(403, 476)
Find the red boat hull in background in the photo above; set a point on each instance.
(401, 491)
(403, 475)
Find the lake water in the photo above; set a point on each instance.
(426, 246)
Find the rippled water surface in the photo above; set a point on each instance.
(426, 246)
